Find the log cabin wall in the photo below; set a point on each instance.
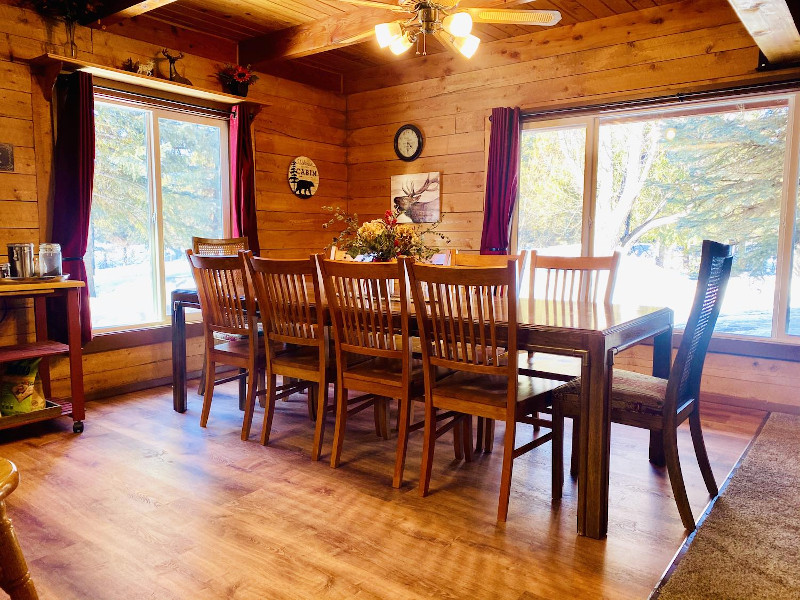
(297, 120)
(672, 48)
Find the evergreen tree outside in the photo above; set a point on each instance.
(123, 247)
(663, 185)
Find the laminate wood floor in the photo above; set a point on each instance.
(146, 504)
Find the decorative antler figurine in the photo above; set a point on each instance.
(173, 72)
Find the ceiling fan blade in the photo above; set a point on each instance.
(374, 4)
(514, 17)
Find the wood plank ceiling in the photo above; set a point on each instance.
(253, 25)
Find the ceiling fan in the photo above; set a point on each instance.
(451, 25)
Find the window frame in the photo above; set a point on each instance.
(592, 121)
(155, 112)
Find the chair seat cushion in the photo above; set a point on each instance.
(630, 392)
(491, 390)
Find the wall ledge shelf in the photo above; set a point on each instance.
(48, 66)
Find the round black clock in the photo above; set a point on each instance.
(408, 143)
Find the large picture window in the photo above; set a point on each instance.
(161, 177)
(654, 183)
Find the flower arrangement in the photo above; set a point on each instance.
(383, 239)
(237, 78)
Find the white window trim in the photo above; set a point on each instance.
(155, 196)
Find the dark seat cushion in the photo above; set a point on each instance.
(630, 392)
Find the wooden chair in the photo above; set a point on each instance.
(373, 352)
(295, 337)
(485, 433)
(573, 278)
(220, 247)
(661, 405)
(462, 330)
(228, 307)
(566, 279)
(15, 579)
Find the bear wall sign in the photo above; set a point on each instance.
(303, 177)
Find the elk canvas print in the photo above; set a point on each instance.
(416, 196)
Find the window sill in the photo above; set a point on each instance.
(132, 338)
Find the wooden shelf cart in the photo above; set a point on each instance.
(44, 347)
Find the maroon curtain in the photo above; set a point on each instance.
(243, 187)
(502, 177)
(73, 172)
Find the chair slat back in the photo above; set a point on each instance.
(288, 297)
(573, 278)
(684, 380)
(359, 300)
(465, 323)
(219, 246)
(226, 299)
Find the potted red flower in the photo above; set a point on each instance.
(237, 79)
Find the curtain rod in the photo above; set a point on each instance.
(186, 106)
(677, 98)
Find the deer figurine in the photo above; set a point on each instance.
(173, 72)
(412, 199)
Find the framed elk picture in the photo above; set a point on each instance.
(416, 196)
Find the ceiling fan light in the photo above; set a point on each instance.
(400, 45)
(467, 44)
(459, 24)
(386, 33)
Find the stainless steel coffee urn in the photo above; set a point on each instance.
(20, 257)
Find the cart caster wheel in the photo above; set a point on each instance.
(77, 427)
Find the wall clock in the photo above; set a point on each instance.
(408, 143)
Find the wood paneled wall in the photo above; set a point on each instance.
(662, 50)
(297, 119)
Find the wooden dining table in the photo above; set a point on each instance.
(593, 332)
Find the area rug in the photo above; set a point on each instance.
(748, 545)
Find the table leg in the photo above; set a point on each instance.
(179, 391)
(595, 435)
(75, 358)
(662, 359)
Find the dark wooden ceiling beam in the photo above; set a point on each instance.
(773, 26)
(312, 38)
(115, 11)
